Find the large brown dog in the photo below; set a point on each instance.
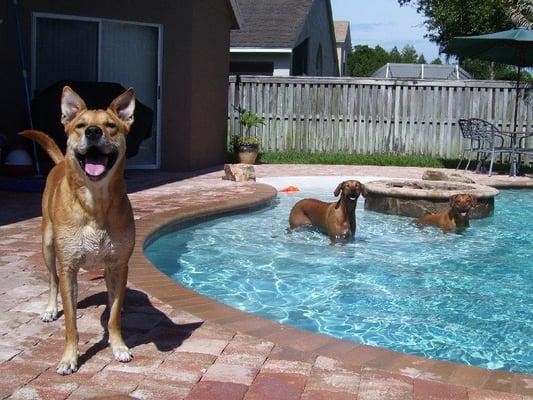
(87, 217)
(456, 216)
(336, 219)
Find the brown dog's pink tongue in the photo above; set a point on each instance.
(95, 165)
(94, 169)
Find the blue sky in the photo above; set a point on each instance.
(384, 22)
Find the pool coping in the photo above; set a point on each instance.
(144, 275)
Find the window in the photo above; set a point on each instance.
(251, 68)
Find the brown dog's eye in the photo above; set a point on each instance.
(110, 125)
(81, 125)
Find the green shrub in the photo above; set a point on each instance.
(249, 119)
(245, 141)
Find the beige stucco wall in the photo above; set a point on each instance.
(195, 68)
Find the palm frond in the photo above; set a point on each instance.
(521, 13)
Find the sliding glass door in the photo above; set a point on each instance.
(88, 49)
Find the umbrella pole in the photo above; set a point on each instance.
(515, 126)
(514, 161)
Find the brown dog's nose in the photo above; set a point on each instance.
(93, 133)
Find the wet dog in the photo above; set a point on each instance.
(336, 219)
(87, 217)
(456, 216)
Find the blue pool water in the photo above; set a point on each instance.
(465, 297)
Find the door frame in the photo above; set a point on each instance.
(99, 21)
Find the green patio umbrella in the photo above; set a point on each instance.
(514, 46)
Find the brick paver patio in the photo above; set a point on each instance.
(187, 346)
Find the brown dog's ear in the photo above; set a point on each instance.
(473, 200)
(453, 198)
(71, 105)
(362, 190)
(124, 106)
(337, 191)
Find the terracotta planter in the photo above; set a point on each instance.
(246, 154)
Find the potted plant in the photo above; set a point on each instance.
(246, 147)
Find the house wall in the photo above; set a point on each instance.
(282, 62)
(320, 33)
(208, 86)
(194, 70)
(343, 51)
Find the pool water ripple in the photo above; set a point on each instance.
(464, 297)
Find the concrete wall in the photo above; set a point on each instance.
(194, 71)
(320, 33)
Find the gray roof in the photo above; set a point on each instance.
(270, 23)
(421, 71)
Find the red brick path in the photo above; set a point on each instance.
(180, 355)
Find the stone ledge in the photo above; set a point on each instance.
(415, 198)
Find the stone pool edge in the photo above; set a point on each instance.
(144, 275)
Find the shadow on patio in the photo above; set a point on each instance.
(21, 198)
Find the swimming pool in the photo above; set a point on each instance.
(460, 297)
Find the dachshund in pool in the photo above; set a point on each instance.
(336, 219)
(456, 216)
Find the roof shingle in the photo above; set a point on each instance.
(270, 23)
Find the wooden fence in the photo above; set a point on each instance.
(363, 115)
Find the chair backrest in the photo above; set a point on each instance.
(465, 128)
(483, 129)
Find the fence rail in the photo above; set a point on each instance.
(363, 115)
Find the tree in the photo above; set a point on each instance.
(521, 13)
(450, 18)
(446, 19)
(409, 54)
(364, 60)
(487, 70)
(437, 61)
(510, 74)
(395, 56)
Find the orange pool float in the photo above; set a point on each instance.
(290, 189)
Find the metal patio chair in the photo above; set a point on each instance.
(520, 151)
(472, 144)
(492, 140)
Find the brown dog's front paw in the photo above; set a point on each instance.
(49, 316)
(67, 366)
(122, 353)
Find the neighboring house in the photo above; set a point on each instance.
(421, 71)
(344, 45)
(284, 38)
(162, 48)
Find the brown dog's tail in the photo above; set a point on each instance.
(46, 142)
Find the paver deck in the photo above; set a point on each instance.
(188, 346)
